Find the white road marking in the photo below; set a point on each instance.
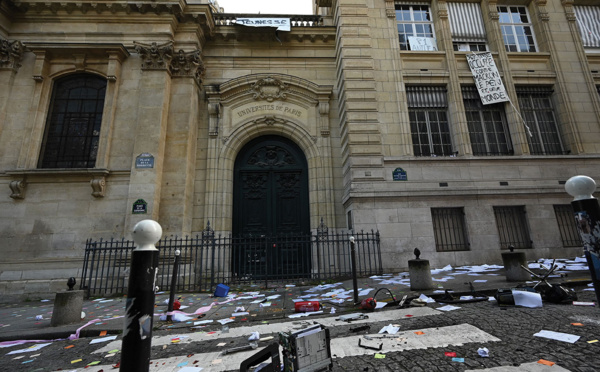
(527, 367)
(265, 329)
(340, 347)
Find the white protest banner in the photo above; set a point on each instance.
(422, 43)
(487, 78)
(282, 24)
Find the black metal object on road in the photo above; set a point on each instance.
(353, 263)
(173, 283)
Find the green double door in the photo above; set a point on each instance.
(271, 223)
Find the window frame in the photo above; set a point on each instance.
(404, 45)
(511, 222)
(513, 27)
(450, 229)
(62, 129)
(430, 130)
(567, 225)
(538, 111)
(473, 106)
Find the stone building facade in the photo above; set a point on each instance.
(108, 106)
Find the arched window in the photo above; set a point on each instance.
(73, 125)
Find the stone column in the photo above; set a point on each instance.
(151, 129)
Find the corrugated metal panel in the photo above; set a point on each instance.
(426, 96)
(466, 22)
(588, 19)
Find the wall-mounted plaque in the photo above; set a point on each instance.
(144, 160)
(399, 174)
(140, 207)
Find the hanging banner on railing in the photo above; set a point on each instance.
(422, 43)
(487, 78)
(282, 24)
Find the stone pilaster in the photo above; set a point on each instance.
(11, 54)
(150, 129)
(362, 156)
(177, 205)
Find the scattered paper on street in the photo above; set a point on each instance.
(558, 336)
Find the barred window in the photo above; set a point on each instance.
(517, 30)
(488, 130)
(565, 217)
(512, 227)
(538, 111)
(449, 229)
(466, 26)
(588, 20)
(430, 130)
(413, 20)
(73, 124)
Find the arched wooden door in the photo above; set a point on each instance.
(271, 222)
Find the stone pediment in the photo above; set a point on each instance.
(271, 87)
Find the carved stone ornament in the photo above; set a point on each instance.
(98, 186)
(390, 8)
(270, 89)
(17, 189)
(568, 6)
(269, 120)
(155, 56)
(188, 64)
(11, 53)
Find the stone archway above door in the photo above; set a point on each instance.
(267, 104)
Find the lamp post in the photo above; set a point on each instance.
(587, 215)
(353, 262)
(139, 311)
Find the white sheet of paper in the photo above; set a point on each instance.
(390, 329)
(240, 313)
(428, 300)
(190, 369)
(380, 305)
(29, 349)
(203, 322)
(225, 321)
(558, 336)
(448, 308)
(527, 299)
(103, 339)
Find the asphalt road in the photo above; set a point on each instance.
(513, 326)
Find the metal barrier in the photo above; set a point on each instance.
(209, 259)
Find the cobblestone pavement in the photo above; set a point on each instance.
(513, 326)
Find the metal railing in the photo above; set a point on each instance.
(209, 259)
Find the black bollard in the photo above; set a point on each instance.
(587, 215)
(139, 311)
(353, 259)
(173, 283)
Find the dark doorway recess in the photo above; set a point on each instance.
(271, 222)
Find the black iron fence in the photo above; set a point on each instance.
(209, 259)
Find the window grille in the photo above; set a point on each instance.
(538, 111)
(488, 130)
(449, 229)
(73, 124)
(588, 20)
(517, 30)
(565, 217)
(413, 20)
(512, 227)
(430, 130)
(466, 26)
